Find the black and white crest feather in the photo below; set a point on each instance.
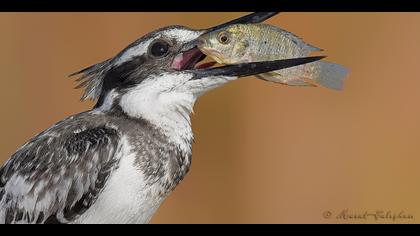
(92, 79)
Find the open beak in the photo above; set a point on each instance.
(190, 55)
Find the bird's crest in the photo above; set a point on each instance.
(92, 78)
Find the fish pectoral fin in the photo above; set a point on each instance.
(277, 78)
(299, 83)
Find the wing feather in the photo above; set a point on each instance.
(57, 176)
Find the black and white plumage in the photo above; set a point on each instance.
(57, 176)
(117, 162)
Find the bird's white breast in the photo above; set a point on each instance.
(126, 198)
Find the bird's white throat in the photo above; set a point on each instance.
(166, 101)
(167, 108)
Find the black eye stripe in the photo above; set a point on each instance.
(119, 76)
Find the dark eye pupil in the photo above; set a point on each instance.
(223, 38)
(159, 49)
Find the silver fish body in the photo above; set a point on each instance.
(242, 43)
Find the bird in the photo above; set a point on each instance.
(117, 162)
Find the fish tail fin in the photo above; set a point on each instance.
(330, 75)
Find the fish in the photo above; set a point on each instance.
(243, 43)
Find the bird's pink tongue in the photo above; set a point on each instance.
(186, 59)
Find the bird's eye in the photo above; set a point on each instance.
(223, 37)
(159, 48)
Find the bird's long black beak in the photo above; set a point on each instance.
(254, 68)
(193, 55)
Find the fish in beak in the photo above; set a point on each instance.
(190, 55)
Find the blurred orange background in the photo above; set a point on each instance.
(264, 153)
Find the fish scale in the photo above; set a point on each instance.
(263, 42)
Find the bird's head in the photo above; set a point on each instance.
(157, 74)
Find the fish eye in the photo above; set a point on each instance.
(223, 37)
(159, 48)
